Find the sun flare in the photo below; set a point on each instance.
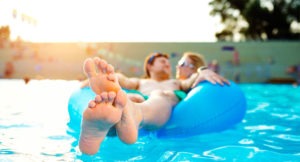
(109, 21)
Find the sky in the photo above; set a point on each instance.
(110, 20)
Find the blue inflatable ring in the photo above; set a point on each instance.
(207, 108)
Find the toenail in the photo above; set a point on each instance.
(92, 104)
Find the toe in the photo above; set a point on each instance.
(89, 68)
(92, 104)
(120, 99)
(111, 77)
(111, 96)
(102, 66)
(110, 68)
(98, 99)
(104, 97)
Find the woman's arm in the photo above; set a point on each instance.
(187, 84)
(211, 76)
(201, 75)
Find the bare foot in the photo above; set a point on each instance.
(103, 112)
(110, 107)
(100, 75)
(98, 118)
(127, 127)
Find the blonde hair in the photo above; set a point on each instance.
(196, 58)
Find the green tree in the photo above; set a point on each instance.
(257, 19)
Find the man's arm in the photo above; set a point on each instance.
(125, 82)
(85, 83)
(128, 83)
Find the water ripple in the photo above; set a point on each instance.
(246, 141)
(289, 137)
(269, 131)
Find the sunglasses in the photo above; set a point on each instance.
(155, 55)
(185, 64)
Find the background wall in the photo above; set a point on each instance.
(259, 61)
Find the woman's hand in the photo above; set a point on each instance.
(210, 76)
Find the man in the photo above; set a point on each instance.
(112, 107)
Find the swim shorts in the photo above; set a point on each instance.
(179, 94)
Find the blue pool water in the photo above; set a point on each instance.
(34, 126)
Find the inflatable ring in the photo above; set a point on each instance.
(207, 108)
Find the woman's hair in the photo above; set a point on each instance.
(196, 58)
(150, 60)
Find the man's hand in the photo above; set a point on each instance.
(210, 76)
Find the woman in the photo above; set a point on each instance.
(189, 64)
(192, 63)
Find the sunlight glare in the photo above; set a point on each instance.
(117, 20)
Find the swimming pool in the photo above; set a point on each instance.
(34, 126)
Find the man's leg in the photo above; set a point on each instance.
(158, 108)
(113, 106)
(105, 111)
